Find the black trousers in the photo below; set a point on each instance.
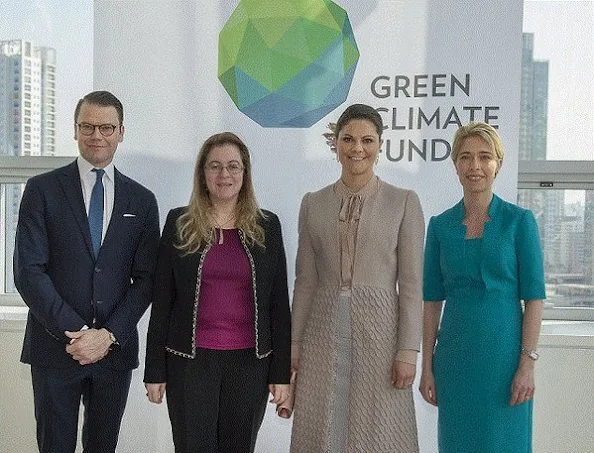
(216, 401)
(57, 394)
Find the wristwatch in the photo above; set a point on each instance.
(531, 353)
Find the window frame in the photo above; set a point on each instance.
(559, 175)
(17, 170)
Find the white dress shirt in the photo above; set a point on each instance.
(87, 180)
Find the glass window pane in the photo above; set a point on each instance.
(557, 113)
(54, 48)
(566, 223)
(10, 199)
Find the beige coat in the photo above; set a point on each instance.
(386, 316)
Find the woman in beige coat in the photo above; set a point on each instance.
(357, 305)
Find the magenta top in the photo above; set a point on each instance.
(226, 307)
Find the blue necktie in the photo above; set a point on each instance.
(96, 211)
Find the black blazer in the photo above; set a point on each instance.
(57, 275)
(172, 328)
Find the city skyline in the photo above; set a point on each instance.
(562, 29)
(561, 216)
(27, 84)
(67, 27)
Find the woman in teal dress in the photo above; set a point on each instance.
(482, 258)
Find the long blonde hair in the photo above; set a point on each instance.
(194, 228)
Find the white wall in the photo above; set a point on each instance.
(17, 422)
(563, 407)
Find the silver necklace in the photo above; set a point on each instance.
(221, 225)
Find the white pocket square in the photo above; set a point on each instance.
(129, 215)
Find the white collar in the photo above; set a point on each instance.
(85, 167)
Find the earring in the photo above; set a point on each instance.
(377, 160)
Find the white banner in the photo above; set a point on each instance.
(427, 66)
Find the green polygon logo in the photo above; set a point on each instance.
(287, 63)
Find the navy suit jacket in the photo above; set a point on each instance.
(57, 275)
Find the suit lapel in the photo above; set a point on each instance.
(69, 179)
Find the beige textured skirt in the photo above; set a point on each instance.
(345, 401)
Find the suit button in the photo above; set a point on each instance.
(97, 269)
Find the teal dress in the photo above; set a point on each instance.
(482, 282)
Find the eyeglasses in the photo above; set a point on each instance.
(106, 130)
(216, 167)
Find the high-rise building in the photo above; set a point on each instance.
(534, 103)
(589, 237)
(547, 205)
(27, 99)
(552, 231)
(27, 127)
(533, 130)
(566, 228)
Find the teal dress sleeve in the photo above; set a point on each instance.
(530, 261)
(433, 288)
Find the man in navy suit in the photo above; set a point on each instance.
(84, 261)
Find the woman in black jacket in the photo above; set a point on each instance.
(219, 333)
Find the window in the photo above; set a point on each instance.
(67, 75)
(14, 172)
(561, 196)
(9, 195)
(556, 149)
